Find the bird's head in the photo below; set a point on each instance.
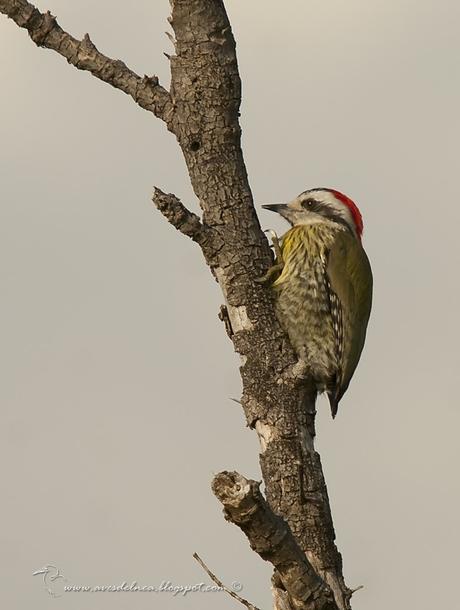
(318, 206)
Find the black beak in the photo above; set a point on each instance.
(275, 207)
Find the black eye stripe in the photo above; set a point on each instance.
(324, 209)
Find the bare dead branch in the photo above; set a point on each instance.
(177, 214)
(46, 32)
(271, 538)
(219, 583)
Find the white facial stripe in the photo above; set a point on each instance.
(310, 218)
(329, 199)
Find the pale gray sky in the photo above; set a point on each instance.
(106, 458)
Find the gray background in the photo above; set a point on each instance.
(116, 372)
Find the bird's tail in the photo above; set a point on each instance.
(334, 399)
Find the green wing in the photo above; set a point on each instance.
(350, 277)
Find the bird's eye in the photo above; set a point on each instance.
(307, 203)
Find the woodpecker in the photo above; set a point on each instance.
(323, 286)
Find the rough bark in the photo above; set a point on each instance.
(271, 538)
(202, 110)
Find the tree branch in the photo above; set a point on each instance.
(46, 32)
(219, 583)
(271, 538)
(178, 215)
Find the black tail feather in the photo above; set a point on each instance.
(334, 402)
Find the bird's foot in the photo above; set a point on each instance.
(266, 277)
(275, 244)
(278, 267)
(300, 369)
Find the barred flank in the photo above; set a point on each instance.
(306, 306)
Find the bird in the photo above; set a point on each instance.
(322, 282)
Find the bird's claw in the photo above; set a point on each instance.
(275, 243)
(279, 264)
(266, 277)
